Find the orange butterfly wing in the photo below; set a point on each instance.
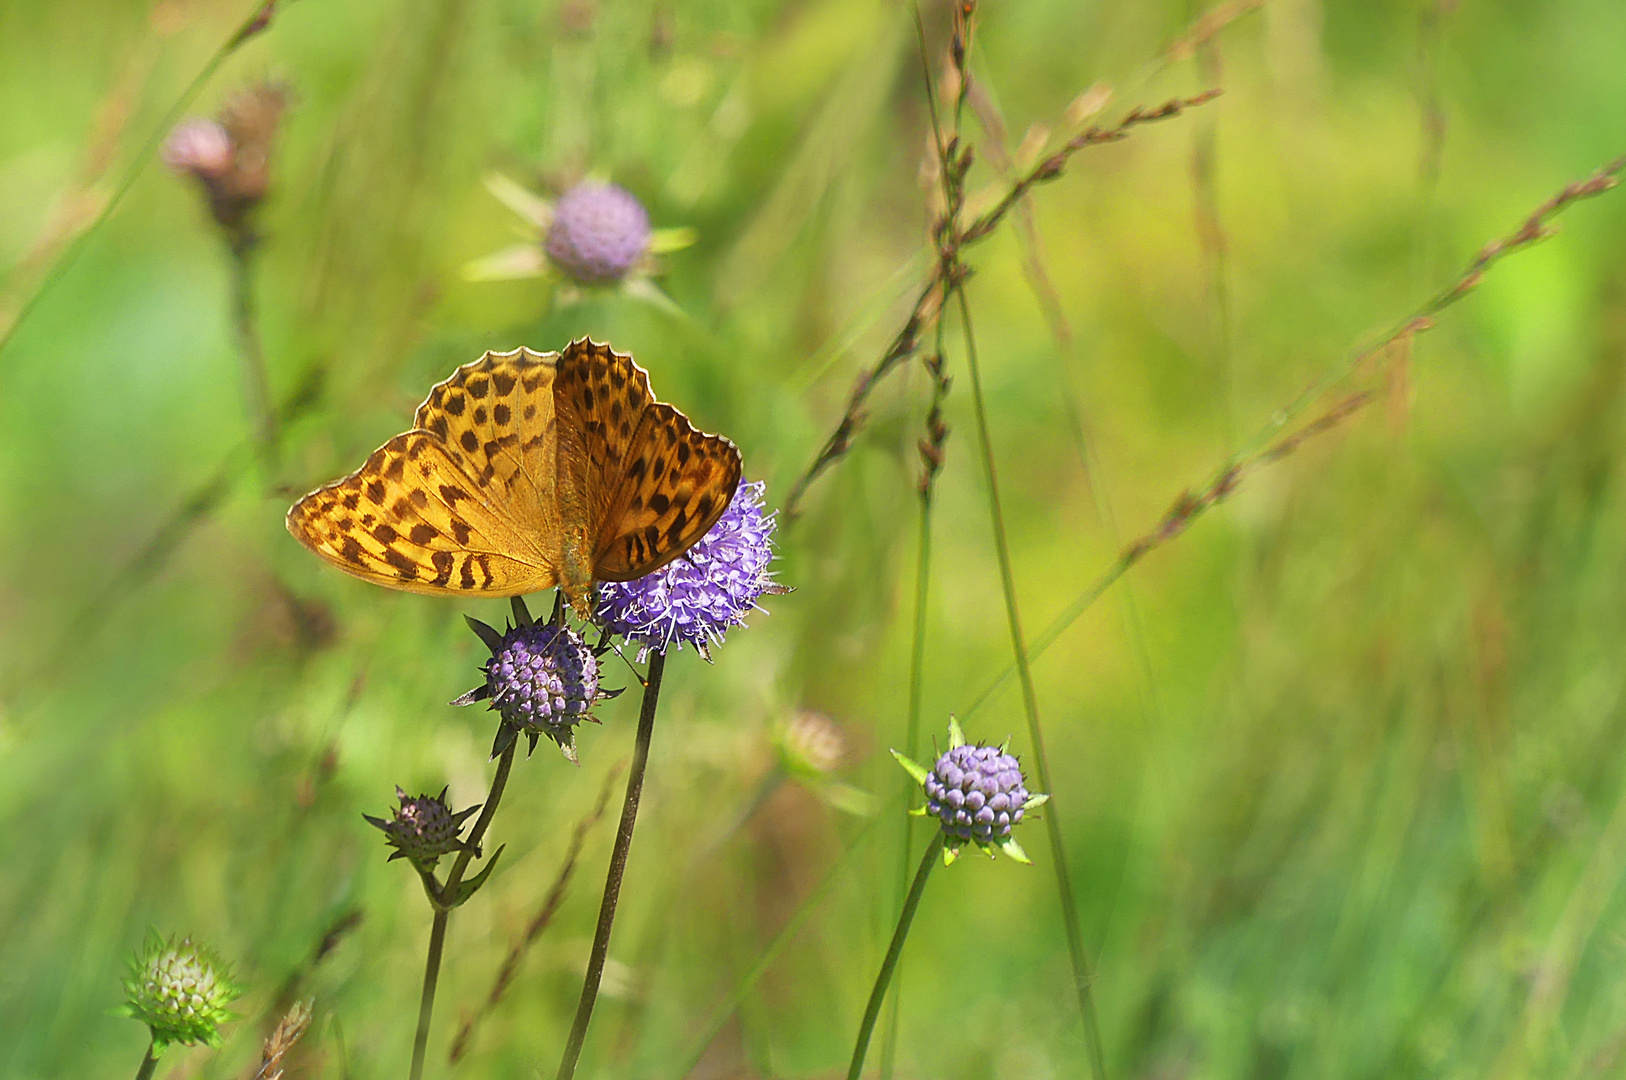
(643, 483)
(463, 503)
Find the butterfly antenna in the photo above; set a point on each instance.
(559, 607)
(616, 646)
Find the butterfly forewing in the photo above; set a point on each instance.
(409, 519)
(496, 419)
(600, 396)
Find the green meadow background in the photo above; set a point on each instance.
(1340, 771)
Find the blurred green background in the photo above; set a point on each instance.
(1340, 771)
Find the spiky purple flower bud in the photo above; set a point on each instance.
(542, 679)
(599, 233)
(423, 828)
(697, 597)
(977, 792)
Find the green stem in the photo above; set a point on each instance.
(934, 852)
(256, 385)
(444, 898)
(148, 1064)
(431, 977)
(1083, 976)
(917, 663)
(618, 866)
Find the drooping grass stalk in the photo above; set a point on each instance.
(262, 415)
(1269, 445)
(719, 1016)
(1083, 976)
(933, 855)
(444, 898)
(618, 866)
(148, 1064)
(255, 21)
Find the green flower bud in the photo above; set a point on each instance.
(180, 991)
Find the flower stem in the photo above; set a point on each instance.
(911, 742)
(431, 977)
(444, 898)
(256, 385)
(148, 1064)
(618, 866)
(1083, 975)
(934, 851)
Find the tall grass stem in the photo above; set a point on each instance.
(934, 853)
(720, 1015)
(1083, 976)
(618, 867)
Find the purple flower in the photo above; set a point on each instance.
(698, 596)
(199, 148)
(230, 156)
(424, 828)
(977, 793)
(542, 679)
(598, 235)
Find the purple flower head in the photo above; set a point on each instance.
(599, 233)
(695, 598)
(542, 679)
(424, 828)
(199, 148)
(977, 793)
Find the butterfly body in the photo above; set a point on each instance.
(523, 471)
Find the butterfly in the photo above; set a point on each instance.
(522, 471)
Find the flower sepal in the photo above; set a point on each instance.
(468, 888)
(1010, 847)
(913, 768)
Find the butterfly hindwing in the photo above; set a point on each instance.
(676, 483)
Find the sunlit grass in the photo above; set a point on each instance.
(1373, 825)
